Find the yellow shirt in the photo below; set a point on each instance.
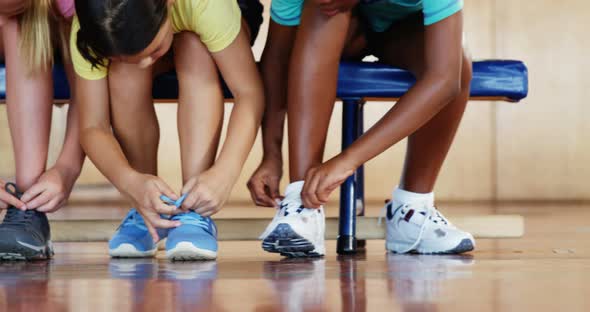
(217, 22)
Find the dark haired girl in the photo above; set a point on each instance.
(422, 36)
(115, 47)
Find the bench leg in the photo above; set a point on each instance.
(360, 176)
(346, 243)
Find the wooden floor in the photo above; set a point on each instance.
(546, 270)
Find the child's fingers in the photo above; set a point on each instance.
(206, 211)
(190, 200)
(7, 199)
(308, 194)
(190, 184)
(258, 194)
(273, 189)
(40, 200)
(163, 208)
(50, 205)
(33, 192)
(166, 190)
(163, 223)
(153, 232)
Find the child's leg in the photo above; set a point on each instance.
(402, 46)
(413, 223)
(133, 115)
(29, 103)
(200, 104)
(316, 55)
(428, 147)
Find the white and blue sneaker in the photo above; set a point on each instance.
(132, 239)
(420, 228)
(194, 239)
(295, 231)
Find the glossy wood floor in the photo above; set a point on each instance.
(547, 270)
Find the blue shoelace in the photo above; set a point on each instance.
(189, 217)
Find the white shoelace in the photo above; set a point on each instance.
(431, 213)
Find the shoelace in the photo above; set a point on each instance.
(15, 216)
(292, 208)
(190, 217)
(431, 213)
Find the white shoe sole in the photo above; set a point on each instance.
(465, 245)
(284, 240)
(187, 251)
(129, 251)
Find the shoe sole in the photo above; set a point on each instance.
(465, 245)
(286, 242)
(22, 253)
(186, 251)
(129, 251)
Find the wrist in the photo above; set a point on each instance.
(272, 158)
(226, 173)
(71, 172)
(349, 160)
(127, 180)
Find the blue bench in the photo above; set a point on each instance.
(500, 80)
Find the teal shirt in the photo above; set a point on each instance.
(380, 14)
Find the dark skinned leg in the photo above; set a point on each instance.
(313, 75)
(403, 46)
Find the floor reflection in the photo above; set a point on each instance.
(176, 286)
(297, 284)
(416, 282)
(352, 283)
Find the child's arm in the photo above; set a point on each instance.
(274, 67)
(212, 188)
(104, 150)
(435, 87)
(69, 164)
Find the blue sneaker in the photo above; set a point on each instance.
(132, 239)
(195, 239)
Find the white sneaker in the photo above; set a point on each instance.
(422, 229)
(295, 231)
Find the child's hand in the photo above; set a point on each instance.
(207, 193)
(145, 191)
(51, 191)
(264, 183)
(333, 7)
(322, 180)
(7, 199)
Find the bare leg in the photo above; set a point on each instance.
(403, 46)
(29, 103)
(133, 115)
(200, 105)
(318, 48)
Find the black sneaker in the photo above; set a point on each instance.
(24, 235)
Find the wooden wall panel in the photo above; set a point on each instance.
(543, 143)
